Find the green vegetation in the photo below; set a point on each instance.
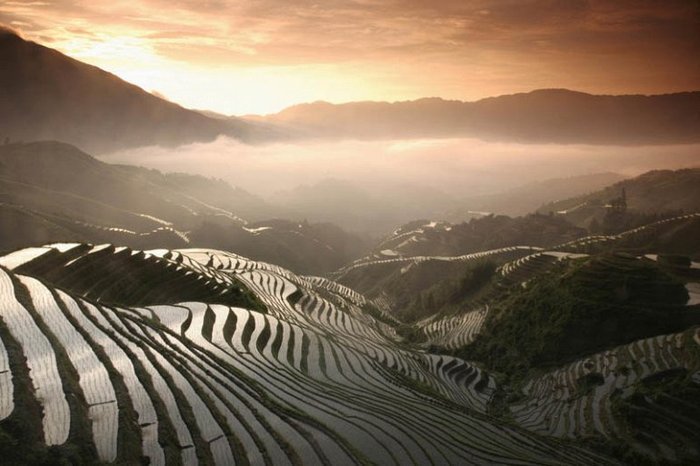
(579, 309)
(452, 295)
(491, 232)
(423, 288)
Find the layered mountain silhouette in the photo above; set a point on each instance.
(45, 95)
(546, 115)
(51, 191)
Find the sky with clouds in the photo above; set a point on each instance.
(259, 56)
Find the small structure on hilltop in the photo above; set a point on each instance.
(616, 213)
(619, 204)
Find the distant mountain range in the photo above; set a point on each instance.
(541, 116)
(130, 335)
(45, 95)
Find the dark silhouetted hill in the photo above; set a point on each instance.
(45, 95)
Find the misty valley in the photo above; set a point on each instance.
(430, 281)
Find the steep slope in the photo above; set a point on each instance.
(122, 276)
(547, 115)
(51, 191)
(602, 349)
(315, 380)
(47, 95)
(479, 234)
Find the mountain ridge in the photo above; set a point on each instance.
(543, 115)
(48, 95)
(438, 99)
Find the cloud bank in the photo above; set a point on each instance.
(458, 167)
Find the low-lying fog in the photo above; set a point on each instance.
(407, 172)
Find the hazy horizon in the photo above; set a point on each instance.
(238, 58)
(151, 67)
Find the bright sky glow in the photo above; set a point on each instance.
(241, 57)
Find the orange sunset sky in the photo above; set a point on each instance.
(240, 57)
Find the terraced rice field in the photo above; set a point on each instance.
(167, 227)
(313, 380)
(520, 264)
(409, 260)
(399, 239)
(525, 268)
(453, 332)
(110, 274)
(693, 293)
(577, 400)
(582, 244)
